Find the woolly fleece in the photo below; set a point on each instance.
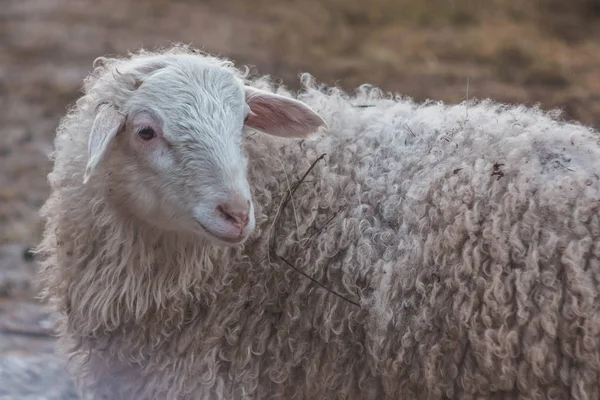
(469, 234)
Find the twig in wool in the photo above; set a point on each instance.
(287, 198)
(282, 206)
(287, 179)
(323, 227)
(289, 264)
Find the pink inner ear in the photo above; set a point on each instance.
(281, 116)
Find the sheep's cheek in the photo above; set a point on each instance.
(156, 151)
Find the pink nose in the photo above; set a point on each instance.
(236, 213)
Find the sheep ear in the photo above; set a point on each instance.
(281, 116)
(106, 125)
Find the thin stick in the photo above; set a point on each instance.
(26, 332)
(282, 205)
(287, 197)
(287, 179)
(323, 227)
(289, 264)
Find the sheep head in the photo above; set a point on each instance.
(166, 144)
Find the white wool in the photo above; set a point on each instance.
(470, 243)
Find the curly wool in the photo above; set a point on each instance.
(469, 234)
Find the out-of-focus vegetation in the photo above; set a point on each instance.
(512, 50)
(518, 51)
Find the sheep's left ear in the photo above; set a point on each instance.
(106, 125)
(281, 116)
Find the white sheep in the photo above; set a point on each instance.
(413, 251)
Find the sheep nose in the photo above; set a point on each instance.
(236, 212)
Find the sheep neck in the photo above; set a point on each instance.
(127, 272)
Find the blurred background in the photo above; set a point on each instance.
(517, 51)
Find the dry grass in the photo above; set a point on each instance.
(545, 51)
(541, 51)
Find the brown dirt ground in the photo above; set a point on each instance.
(544, 51)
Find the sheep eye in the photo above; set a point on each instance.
(146, 133)
(246, 118)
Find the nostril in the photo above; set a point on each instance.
(235, 216)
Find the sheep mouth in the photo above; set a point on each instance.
(228, 240)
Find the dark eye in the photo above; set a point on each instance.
(146, 133)
(246, 118)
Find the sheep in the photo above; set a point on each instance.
(212, 235)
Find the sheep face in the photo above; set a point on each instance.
(173, 147)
